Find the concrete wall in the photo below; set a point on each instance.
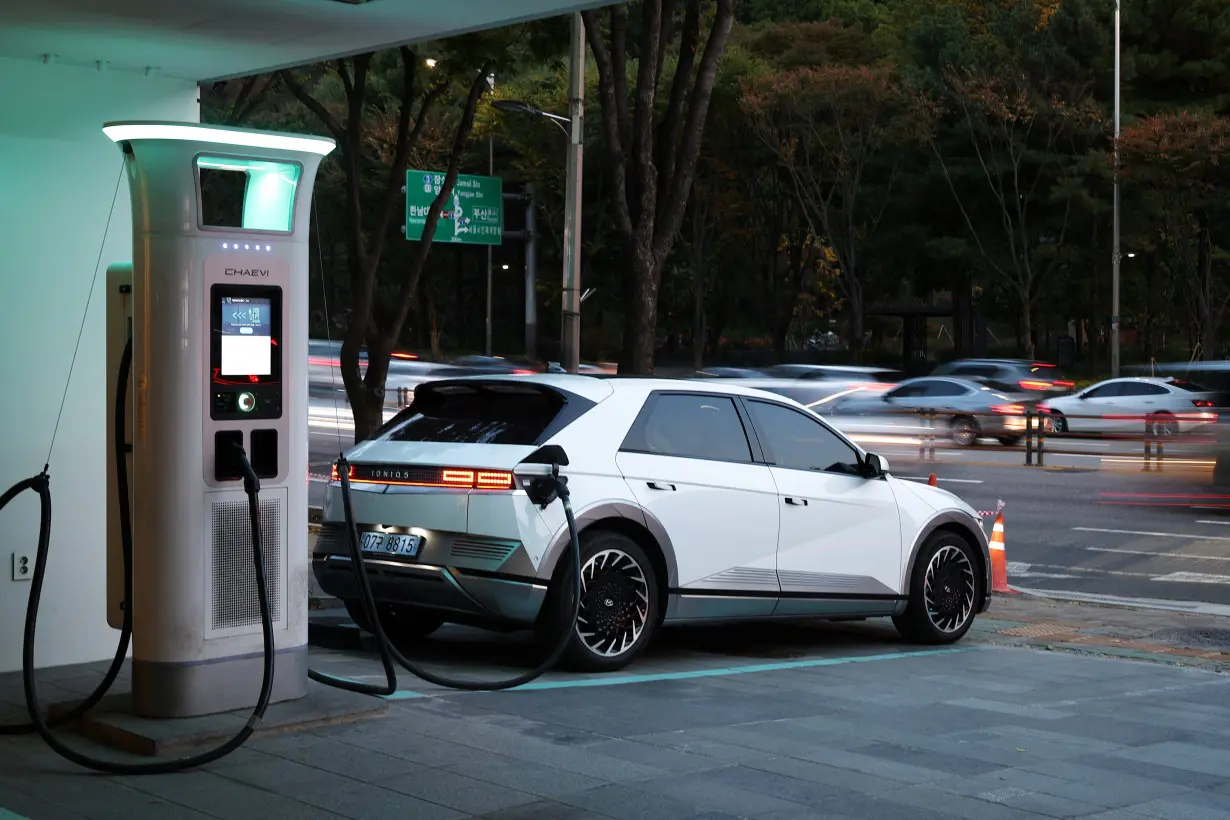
(58, 174)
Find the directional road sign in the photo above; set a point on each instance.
(473, 215)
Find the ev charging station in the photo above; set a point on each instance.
(215, 303)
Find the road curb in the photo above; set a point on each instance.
(1188, 607)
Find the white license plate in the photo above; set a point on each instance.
(391, 543)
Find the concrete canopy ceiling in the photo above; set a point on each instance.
(206, 40)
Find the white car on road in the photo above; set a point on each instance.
(1165, 406)
(697, 502)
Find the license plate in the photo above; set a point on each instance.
(391, 543)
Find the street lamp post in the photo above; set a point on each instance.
(1114, 254)
(571, 342)
(574, 127)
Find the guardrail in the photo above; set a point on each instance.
(1036, 431)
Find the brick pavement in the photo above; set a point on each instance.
(821, 722)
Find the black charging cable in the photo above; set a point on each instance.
(41, 485)
(390, 653)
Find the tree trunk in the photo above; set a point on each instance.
(698, 321)
(433, 319)
(1208, 323)
(1027, 328)
(641, 321)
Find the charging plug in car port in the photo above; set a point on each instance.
(539, 474)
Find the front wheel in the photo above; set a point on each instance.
(619, 603)
(944, 591)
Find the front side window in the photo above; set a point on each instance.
(690, 426)
(1106, 391)
(796, 441)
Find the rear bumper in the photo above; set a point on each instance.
(446, 578)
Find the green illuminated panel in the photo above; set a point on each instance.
(247, 194)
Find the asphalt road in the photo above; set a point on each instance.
(1093, 522)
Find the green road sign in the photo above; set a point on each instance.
(473, 215)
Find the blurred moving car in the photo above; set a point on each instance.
(728, 373)
(833, 372)
(968, 410)
(1164, 405)
(1010, 375)
(815, 386)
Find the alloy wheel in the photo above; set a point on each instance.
(948, 589)
(963, 432)
(614, 603)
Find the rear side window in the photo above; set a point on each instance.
(690, 426)
(492, 413)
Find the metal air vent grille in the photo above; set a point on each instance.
(233, 577)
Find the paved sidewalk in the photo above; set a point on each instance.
(781, 723)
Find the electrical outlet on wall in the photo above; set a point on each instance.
(23, 566)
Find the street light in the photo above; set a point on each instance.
(1114, 254)
(574, 129)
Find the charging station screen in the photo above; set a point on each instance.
(247, 336)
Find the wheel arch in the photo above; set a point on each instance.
(957, 523)
(629, 520)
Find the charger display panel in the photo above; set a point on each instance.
(245, 352)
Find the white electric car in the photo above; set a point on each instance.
(696, 502)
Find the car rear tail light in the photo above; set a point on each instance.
(1044, 408)
(1009, 409)
(1202, 403)
(1066, 385)
(1031, 384)
(409, 356)
(523, 372)
(413, 475)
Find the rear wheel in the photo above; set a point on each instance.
(964, 431)
(619, 603)
(400, 623)
(944, 591)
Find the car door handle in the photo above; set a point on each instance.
(797, 502)
(659, 485)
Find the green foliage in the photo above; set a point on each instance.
(953, 147)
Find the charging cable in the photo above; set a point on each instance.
(42, 725)
(390, 653)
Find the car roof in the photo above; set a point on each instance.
(597, 388)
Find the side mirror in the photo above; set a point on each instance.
(874, 466)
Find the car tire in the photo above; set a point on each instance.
(964, 431)
(619, 603)
(401, 624)
(945, 589)
(1059, 424)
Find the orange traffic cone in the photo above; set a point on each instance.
(932, 481)
(999, 559)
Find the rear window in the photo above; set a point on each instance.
(479, 414)
(1047, 372)
(1190, 387)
